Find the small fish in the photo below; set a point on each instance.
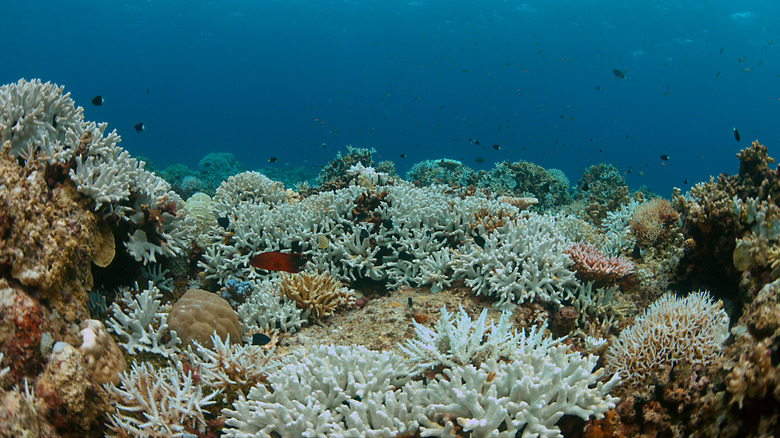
(479, 160)
(147, 90)
(97, 100)
(260, 339)
(585, 186)
(479, 240)
(736, 134)
(387, 223)
(496, 147)
(272, 160)
(279, 261)
(722, 49)
(619, 74)
(403, 155)
(685, 182)
(322, 242)
(598, 87)
(403, 255)
(472, 141)
(636, 253)
(665, 157)
(223, 222)
(138, 127)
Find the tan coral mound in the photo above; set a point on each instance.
(199, 313)
(651, 219)
(319, 294)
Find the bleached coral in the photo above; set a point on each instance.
(366, 176)
(671, 330)
(160, 402)
(266, 308)
(520, 261)
(526, 396)
(158, 275)
(326, 391)
(463, 341)
(247, 187)
(103, 358)
(145, 327)
(225, 364)
(38, 119)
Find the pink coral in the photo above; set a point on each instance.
(593, 265)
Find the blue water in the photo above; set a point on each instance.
(421, 78)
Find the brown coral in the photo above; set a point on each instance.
(651, 219)
(593, 265)
(319, 294)
(199, 313)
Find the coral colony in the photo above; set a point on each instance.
(451, 303)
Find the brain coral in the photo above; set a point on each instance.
(198, 313)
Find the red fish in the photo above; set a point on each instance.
(279, 261)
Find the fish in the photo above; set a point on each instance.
(260, 339)
(223, 222)
(322, 242)
(736, 134)
(598, 87)
(619, 74)
(476, 142)
(685, 182)
(479, 160)
(279, 261)
(496, 147)
(665, 157)
(387, 223)
(722, 49)
(403, 155)
(97, 100)
(585, 186)
(479, 240)
(138, 127)
(272, 159)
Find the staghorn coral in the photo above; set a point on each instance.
(226, 365)
(145, 327)
(157, 402)
(592, 265)
(671, 330)
(319, 295)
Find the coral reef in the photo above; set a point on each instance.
(651, 220)
(601, 189)
(522, 178)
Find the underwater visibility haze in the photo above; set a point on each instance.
(298, 80)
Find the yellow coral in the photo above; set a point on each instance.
(651, 219)
(320, 294)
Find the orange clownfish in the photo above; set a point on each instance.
(279, 261)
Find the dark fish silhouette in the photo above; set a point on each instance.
(479, 240)
(403, 155)
(97, 100)
(223, 222)
(496, 147)
(279, 261)
(272, 160)
(138, 127)
(260, 339)
(665, 157)
(736, 134)
(479, 160)
(476, 142)
(619, 74)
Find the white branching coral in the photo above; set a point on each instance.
(326, 391)
(520, 261)
(267, 309)
(227, 364)
(154, 402)
(463, 341)
(692, 328)
(526, 396)
(145, 327)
